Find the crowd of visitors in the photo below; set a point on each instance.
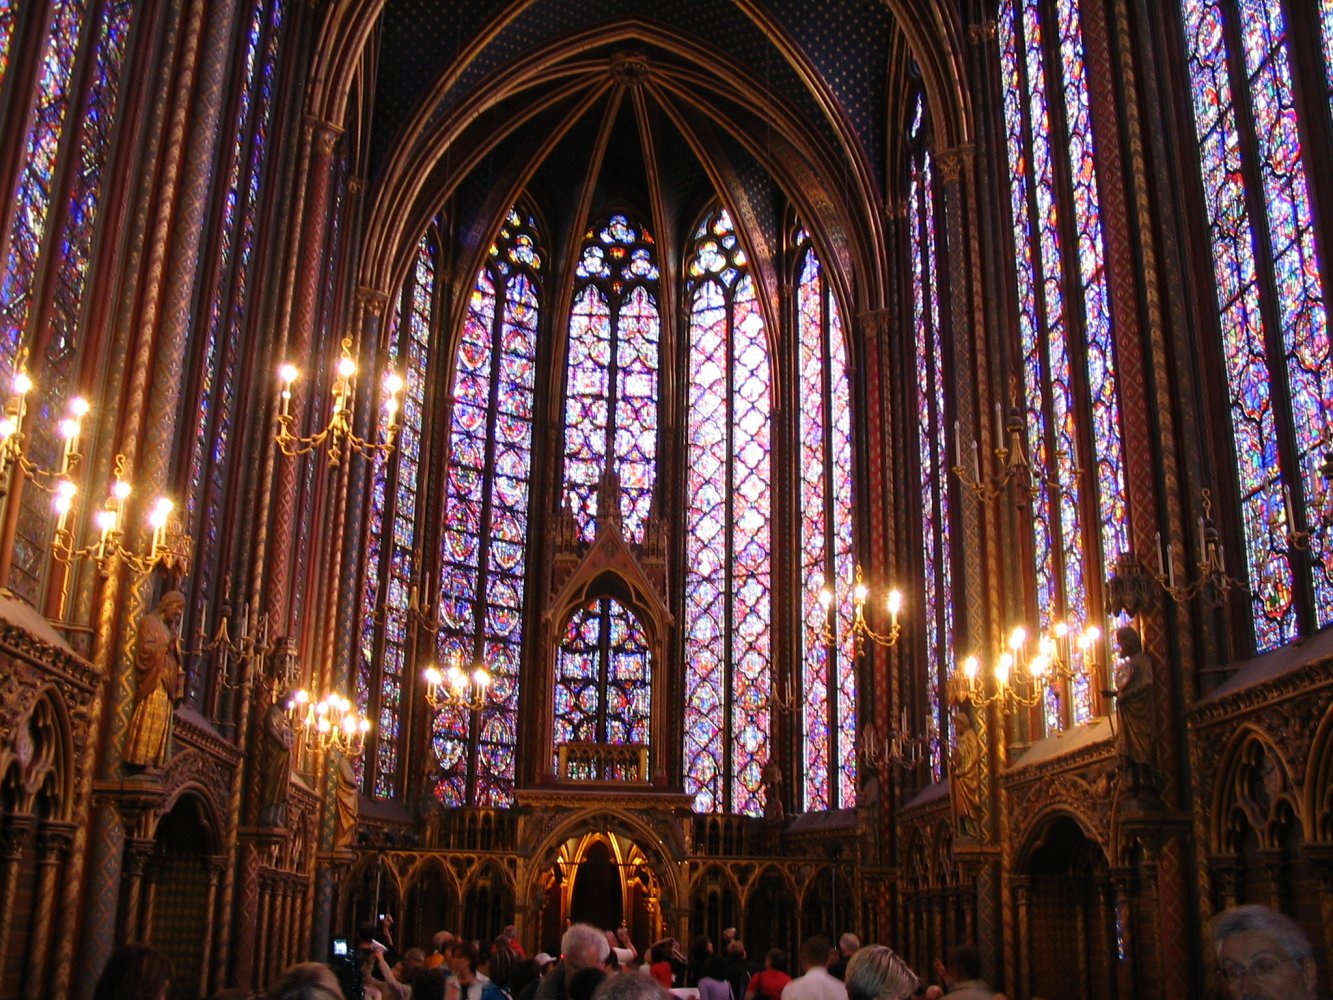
(1260, 954)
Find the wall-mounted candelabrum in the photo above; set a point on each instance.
(860, 626)
(13, 437)
(337, 433)
(1023, 672)
(1016, 469)
(1213, 583)
(898, 747)
(455, 687)
(169, 547)
(329, 723)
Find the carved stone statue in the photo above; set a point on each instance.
(772, 779)
(965, 776)
(275, 766)
(1134, 711)
(160, 683)
(347, 792)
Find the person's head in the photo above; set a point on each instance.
(511, 932)
(630, 988)
(135, 972)
(735, 948)
(431, 986)
(584, 947)
(543, 961)
(1263, 955)
(848, 943)
(715, 968)
(963, 962)
(877, 973)
(501, 965)
(414, 958)
(365, 934)
(306, 981)
(776, 959)
(660, 952)
(584, 982)
(700, 949)
(441, 940)
(463, 961)
(525, 971)
(814, 952)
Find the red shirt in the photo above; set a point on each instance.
(661, 971)
(767, 985)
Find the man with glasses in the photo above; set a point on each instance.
(1263, 955)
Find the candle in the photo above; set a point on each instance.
(1203, 544)
(999, 421)
(1161, 562)
(957, 443)
(976, 462)
(1289, 507)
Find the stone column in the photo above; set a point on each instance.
(137, 852)
(312, 226)
(53, 843)
(15, 836)
(1022, 888)
(217, 866)
(262, 949)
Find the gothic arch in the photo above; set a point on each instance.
(38, 766)
(1254, 789)
(1318, 796)
(668, 864)
(1033, 835)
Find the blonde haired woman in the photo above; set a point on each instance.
(877, 973)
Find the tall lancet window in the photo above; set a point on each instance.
(62, 151)
(612, 375)
(603, 682)
(932, 437)
(1256, 155)
(828, 667)
(728, 541)
(391, 554)
(484, 548)
(1073, 436)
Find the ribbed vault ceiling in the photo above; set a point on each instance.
(657, 107)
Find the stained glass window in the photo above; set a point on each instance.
(1274, 331)
(728, 543)
(1326, 31)
(6, 32)
(932, 439)
(60, 194)
(1080, 521)
(828, 668)
(612, 375)
(484, 554)
(603, 678)
(392, 559)
(228, 299)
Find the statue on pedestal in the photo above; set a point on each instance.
(1135, 712)
(347, 792)
(160, 683)
(275, 765)
(965, 775)
(771, 776)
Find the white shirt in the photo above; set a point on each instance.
(816, 984)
